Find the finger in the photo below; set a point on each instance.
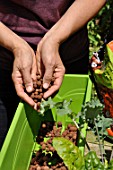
(38, 59)
(20, 92)
(47, 77)
(34, 70)
(28, 82)
(40, 66)
(55, 87)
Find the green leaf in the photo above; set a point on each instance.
(37, 147)
(92, 162)
(104, 123)
(110, 166)
(70, 153)
(91, 110)
(62, 108)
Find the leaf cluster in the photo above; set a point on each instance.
(73, 158)
(92, 114)
(98, 27)
(62, 107)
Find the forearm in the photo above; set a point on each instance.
(79, 13)
(8, 39)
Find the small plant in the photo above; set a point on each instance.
(92, 114)
(101, 126)
(45, 155)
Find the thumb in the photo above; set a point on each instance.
(47, 77)
(27, 80)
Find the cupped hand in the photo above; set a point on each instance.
(24, 72)
(49, 65)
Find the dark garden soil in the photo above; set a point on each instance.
(38, 91)
(46, 158)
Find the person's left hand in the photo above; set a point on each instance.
(49, 65)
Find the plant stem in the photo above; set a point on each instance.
(99, 141)
(103, 138)
(82, 135)
(111, 157)
(76, 124)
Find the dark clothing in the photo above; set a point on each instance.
(8, 102)
(31, 19)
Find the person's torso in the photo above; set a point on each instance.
(31, 19)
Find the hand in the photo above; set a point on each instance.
(24, 72)
(49, 65)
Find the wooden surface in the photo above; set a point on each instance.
(93, 144)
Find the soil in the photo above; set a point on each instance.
(38, 91)
(46, 158)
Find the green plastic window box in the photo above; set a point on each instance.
(19, 143)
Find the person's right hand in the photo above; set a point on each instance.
(24, 71)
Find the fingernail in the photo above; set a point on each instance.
(45, 85)
(29, 88)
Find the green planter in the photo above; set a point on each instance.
(19, 143)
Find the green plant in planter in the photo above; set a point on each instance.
(92, 114)
(72, 157)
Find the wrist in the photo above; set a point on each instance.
(10, 40)
(20, 48)
(53, 37)
(17, 43)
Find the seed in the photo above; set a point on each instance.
(63, 168)
(69, 125)
(38, 104)
(38, 168)
(39, 83)
(35, 85)
(39, 97)
(74, 137)
(38, 77)
(45, 158)
(43, 125)
(73, 128)
(41, 94)
(40, 90)
(43, 147)
(36, 92)
(35, 100)
(59, 124)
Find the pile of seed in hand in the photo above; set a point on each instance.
(48, 161)
(38, 90)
